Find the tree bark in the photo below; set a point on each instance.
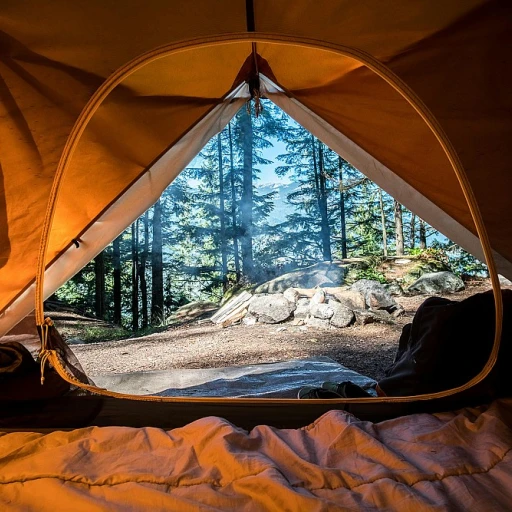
(325, 229)
(318, 171)
(116, 264)
(223, 245)
(383, 224)
(233, 207)
(135, 274)
(413, 231)
(157, 272)
(99, 289)
(343, 219)
(246, 205)
(423, 235)
(399, 229)
(142, 272)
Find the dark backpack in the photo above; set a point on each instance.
(447, 344)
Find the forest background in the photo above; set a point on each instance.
(262, 198)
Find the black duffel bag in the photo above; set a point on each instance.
(447, 344)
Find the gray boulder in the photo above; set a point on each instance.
(271, 309)
(395, 289)
(322, 311)
(318, 297)
(301, 312)
(349, 298)
(324, 274)
(376, 296)
(364, 317)
(291, 294)
(435, 283)
(312, 321)
(342, 316)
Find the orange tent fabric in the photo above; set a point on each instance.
(54, 56)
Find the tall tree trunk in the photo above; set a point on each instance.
(99, 288)
(413, 231)
(233, 207)
(383, 224)
(135, 275)
(157, 271)
(246, 205)
(325, 229)
(399, 229)
(318, 171)
(343, 220)
(142, 272)
(116, 264)
(423, 235)
(223, 245)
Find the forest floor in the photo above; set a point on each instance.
(367, 349)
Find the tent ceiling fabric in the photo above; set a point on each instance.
(55, 55)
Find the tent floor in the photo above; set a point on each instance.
(268, 380)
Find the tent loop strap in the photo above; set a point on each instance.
(360, 56)
(254, 86)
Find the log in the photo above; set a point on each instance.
(234, 317)
(230, 306)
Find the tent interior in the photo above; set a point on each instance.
(102, 106)
(97, 122)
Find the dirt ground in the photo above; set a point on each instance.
(367, 349)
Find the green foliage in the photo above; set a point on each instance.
(370, 273)
(368, 268)
(427, 260)
(96, 334)
(463, 263)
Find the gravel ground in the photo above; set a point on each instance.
(366, 349)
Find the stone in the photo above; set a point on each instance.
(318, 297)
(321, 274)
(301, 311)
(322, 311)
(436, 283)
(291, 294)
(504, 281)
(350, 299)
(376, 296)
(395, 289)
(303, 302)
(249, 319)
(364, 317)
(342, 316)
(317, 322)
(271, 308)
(75, 341)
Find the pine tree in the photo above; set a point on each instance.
(99, 288)
(116, 267)
(142, 271)
(157, 273)
(399, 229)
(135, 275)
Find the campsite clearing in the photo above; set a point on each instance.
(367, 349)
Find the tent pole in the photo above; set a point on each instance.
(380, 69)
